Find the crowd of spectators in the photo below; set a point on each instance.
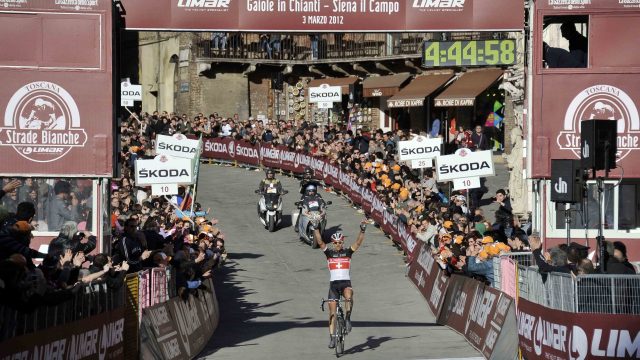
(151, 231)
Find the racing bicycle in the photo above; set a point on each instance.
(340, 327)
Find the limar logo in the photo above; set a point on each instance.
(42, 122)
(602, 102)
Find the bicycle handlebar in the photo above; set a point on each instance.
(331, 300)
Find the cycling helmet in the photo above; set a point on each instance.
(310, 189)
(337, 237)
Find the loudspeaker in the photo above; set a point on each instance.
(598, 144)
(566, 181)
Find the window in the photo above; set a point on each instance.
(41, 192)
(581, 214)
(565, 41)
(621, 206)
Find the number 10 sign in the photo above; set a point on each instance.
(164, 189)
(466, 183)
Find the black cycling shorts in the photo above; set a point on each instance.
(337, 287)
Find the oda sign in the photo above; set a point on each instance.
(419, 148)
(325, 93)
(164, 170)
(177, 145)
(130, 92)
(464, 164)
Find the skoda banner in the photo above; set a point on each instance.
(164, 169)
(325, 93)
(465, 164)
(419, 148)
(177, 145)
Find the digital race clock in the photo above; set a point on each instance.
(471, 52)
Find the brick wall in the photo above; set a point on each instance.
(261, 94)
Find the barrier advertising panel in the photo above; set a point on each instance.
(325, 15)
(97, 337)
(554, 334)
(179, 329)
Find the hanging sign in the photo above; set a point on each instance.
(177, 145)
(325, 93)
(164, 169)
(419, 148)
(465, 164)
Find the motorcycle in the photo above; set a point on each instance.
(270, 209)
(316, 218)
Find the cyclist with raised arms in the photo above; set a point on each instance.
(339, 262)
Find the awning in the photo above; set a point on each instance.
(389, 85)
(418, 89)
(342, 82)
(463, 92)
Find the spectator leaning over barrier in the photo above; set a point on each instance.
(479, 259)
(130, 247)
(15, 235)
(560, 260)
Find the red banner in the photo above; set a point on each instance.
(56, 92)
(231, 150)
(552, 334)
(325, 15)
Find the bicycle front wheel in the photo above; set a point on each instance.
(340, 332)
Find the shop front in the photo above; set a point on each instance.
(473, 99)
(411, 107)
(377, 90)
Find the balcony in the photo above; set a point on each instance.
(298, 48)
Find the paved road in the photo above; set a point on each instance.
(271, 287)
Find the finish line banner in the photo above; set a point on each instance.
(325, 15)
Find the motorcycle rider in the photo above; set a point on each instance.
(311, 201)
(307, 179)
(270, 185)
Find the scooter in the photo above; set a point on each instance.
(270, 209)
(316, 218)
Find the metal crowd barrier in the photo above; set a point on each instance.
(593, 293)
(91, 299)
(610, 294)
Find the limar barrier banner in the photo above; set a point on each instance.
(480, 313)
(179, 329)
(325, 15)
(426, 275)
(96, 337)
(552, 334)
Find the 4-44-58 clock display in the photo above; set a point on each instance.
(472, 52)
